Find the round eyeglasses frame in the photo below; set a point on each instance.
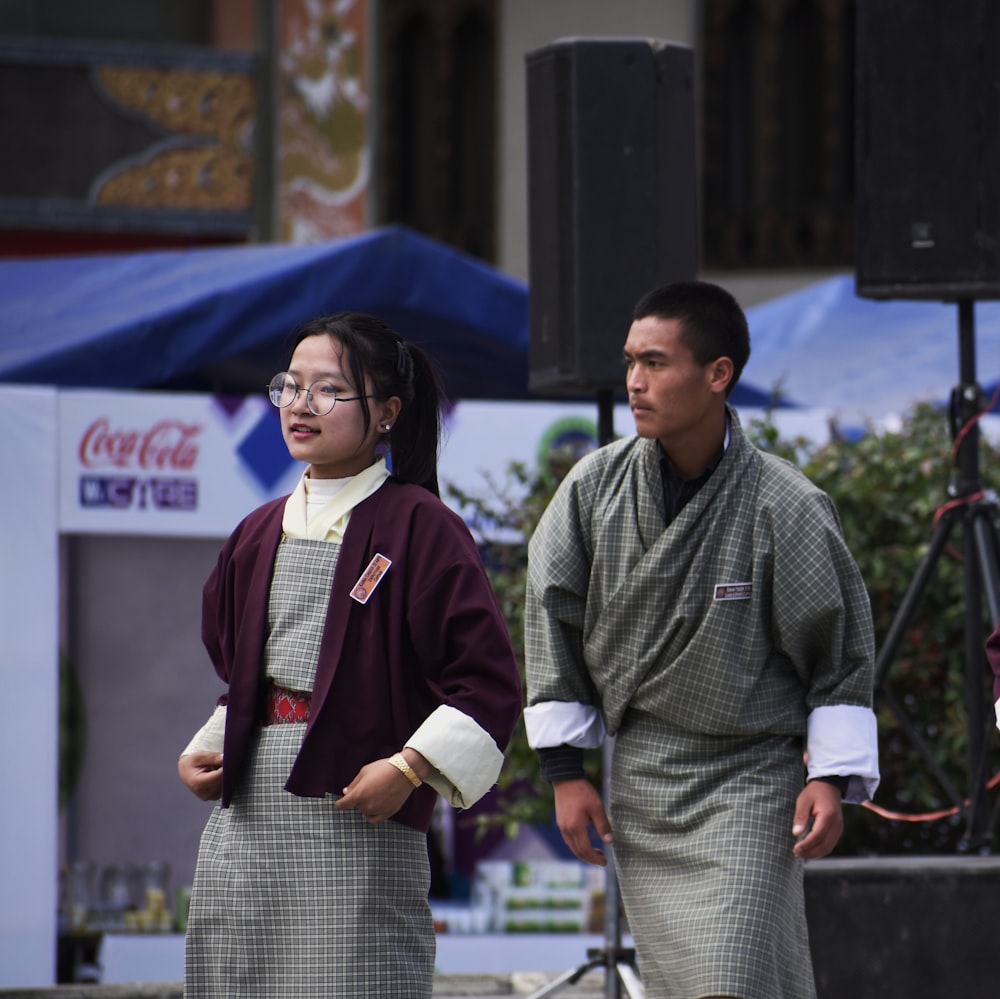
(283, 390)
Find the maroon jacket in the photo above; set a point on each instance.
(431, 633)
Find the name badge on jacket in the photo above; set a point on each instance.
(370, 578)
(733, 591)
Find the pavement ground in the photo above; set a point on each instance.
(590, 986)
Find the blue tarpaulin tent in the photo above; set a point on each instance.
(863, 359)
(218, 320)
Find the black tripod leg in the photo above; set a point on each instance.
(975, 642)
(630, 980)
(987, 548)
(567, 978)
(911, 600)
(620, 961)
(954, 795)
(981, 573)
(988, 545)
(980, 581)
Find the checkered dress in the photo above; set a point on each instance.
(705, 644)
(292, 898)
(704, 852)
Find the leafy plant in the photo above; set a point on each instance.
(504, 520)
(889, 487)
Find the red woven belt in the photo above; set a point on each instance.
(283, 705)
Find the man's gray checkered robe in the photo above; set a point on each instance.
(705, 644)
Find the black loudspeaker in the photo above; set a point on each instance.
(612, 199)
(912, 927)
(927, 149)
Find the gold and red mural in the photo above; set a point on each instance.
(324, 158)
(206, 159)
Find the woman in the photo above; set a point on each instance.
(368, 668)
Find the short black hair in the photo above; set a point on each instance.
(712, 323)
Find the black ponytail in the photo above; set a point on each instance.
(416, 436)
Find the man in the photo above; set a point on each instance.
(693, 596)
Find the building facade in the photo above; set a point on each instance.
(177, 122)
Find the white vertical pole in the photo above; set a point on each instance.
(29, 678)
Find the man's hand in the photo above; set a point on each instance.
(818, 820)
(578, 809)
(202, 773)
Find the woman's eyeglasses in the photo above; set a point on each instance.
(321, 396)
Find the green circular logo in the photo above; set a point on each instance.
(563, 444)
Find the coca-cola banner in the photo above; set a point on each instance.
(194, 465)
(167, 463)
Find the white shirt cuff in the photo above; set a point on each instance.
(211, 736)
(842, 740)
(563, 723)
(996, 708)
(464, 754)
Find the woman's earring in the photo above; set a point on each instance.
(386, 426)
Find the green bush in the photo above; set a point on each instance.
(888, 487)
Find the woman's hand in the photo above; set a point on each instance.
(379, 789)
(202, 773)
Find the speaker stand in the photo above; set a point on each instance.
(617, 961)
(976, 509)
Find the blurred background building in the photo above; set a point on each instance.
(182, 122)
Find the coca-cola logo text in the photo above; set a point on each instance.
(166, 444)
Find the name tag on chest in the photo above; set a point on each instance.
(733, 591)
(370, 578)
